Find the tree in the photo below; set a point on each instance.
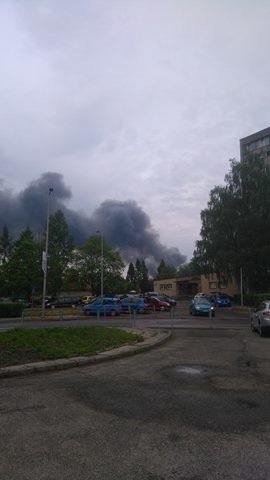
(23, 272)
(86, 266)
(188, 269)
(145, 283)
(235, 230)
(131, 277)
(59, 251)
(5, 244)
(165, 271)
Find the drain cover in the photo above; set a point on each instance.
(191, 370)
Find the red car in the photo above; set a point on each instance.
(160, 305)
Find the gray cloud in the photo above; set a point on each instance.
(144, 100)
(123, 224)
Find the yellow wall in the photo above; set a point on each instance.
(168, 286)
(201, 283)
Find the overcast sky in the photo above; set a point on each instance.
(142, 100)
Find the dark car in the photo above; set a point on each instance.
(135, 304)
(61, 302)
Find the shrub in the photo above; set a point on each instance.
(10, 309)
(253, 299)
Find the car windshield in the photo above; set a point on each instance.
(202, 301)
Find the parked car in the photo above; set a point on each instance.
(163, 297)
(200, 295)
(159, 304)
(168, 299)
(103, 306)
(201, 306)
(260, 318)
(221, 300)
(62, 302)
(86, 299)
(135, 304)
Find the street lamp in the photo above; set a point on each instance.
(45, 255)
(101, 263)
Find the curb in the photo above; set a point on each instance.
(152, 338)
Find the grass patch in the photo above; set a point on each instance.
(20, 346)
(36, 312)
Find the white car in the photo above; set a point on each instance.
(200, 295)
(260, 318)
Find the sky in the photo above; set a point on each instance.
(127, 105)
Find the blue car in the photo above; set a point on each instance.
(221, 300)
(135, 304)
(201, 306)
(103, 306)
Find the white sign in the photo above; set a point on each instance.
(44, 262)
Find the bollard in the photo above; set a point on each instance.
(210, 316)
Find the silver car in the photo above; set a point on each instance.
(260, 318)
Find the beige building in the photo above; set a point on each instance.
(189, 286)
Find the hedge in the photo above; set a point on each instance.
(253, 299)
(10, 309)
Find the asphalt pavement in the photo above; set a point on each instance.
(196, 407)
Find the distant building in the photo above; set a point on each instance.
(189, 286)
(258, 143)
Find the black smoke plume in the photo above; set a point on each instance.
(124, 225)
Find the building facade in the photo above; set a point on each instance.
(258, 143)
(189, 286)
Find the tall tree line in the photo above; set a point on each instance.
(235, 231)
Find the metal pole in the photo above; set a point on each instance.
(241, 286)
(101, 267)
(45, 256)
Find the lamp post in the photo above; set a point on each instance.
(101, 263)
(45, 255)
(241, 287)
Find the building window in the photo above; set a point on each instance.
(166, 286)
(212, 285)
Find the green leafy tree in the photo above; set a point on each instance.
(59, 251)
(22, 272)
(5, 244)
(235, 230)
(85, 266)
(188, 269)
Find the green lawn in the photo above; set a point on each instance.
(20, 346)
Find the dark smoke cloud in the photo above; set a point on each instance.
(124, 224)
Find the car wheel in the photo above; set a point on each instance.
(113, 313)
(162, 309)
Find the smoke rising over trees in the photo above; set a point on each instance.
(123, 223)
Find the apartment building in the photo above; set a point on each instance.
(258, 143)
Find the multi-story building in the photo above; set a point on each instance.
(258, 143)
